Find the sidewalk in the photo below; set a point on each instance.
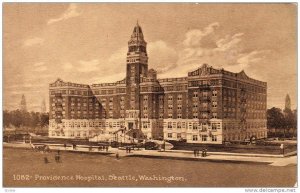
(273, 160)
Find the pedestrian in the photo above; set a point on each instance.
(129, 149)
(106, 148)
(195, 153)
(126, 149)
(117, 155)
(57, 158)
(203, 152)
(90, 148)
(46, 160)
(65, 145)
(99, 148)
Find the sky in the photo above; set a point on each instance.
(87, 43)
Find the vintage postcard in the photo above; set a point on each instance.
(150, 95)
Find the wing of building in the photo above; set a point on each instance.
(207, 106)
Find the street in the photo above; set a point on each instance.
(26, 168)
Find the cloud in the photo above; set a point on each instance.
(40, 68)
(88, 66)
(72, 11)
(205, 46)
(39, 64)
(33, 41)
(67, 66)
(108, 78)
(162, 57)
(194, 37)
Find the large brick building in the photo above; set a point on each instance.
(208, 106)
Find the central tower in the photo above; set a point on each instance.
(137, 67)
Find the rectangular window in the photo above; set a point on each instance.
(169, 135)
(178, 135)
(195, 137)
(214, 138)
(204, 137)
(195, 126)
(214, 93)
(179, 125)
(195, 94)
(215, 115)
(179, 97)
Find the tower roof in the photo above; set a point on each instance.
(137, 32)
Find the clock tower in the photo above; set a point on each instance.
(137, 67)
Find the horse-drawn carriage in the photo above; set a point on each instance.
(41, 148)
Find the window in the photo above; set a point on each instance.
(214, 115)
(179, 97)
(214, 126)
(169, 135)
(145, 125)
(214, 138)
(169, 124)
(214, 93)
(195, 94)
(195, 137)
(178, 135)
(195, 126)
(204, 137)
(161, 98)
(195, 115)
(179, 125)
(214, 104)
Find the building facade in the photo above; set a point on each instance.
(207, 106)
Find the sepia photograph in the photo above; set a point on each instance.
(148, 95)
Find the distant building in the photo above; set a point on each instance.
(207, 106)
(287, 102)
(23, 105)
(43, 106)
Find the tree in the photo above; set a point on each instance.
(288, 119)
(25, 120)
(44, 120)
(275, 119)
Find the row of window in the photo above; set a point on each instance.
(194, 137)
(190, 125)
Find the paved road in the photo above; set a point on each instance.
(135, 171)
(212, 156)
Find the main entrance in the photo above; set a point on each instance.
(130, 126)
